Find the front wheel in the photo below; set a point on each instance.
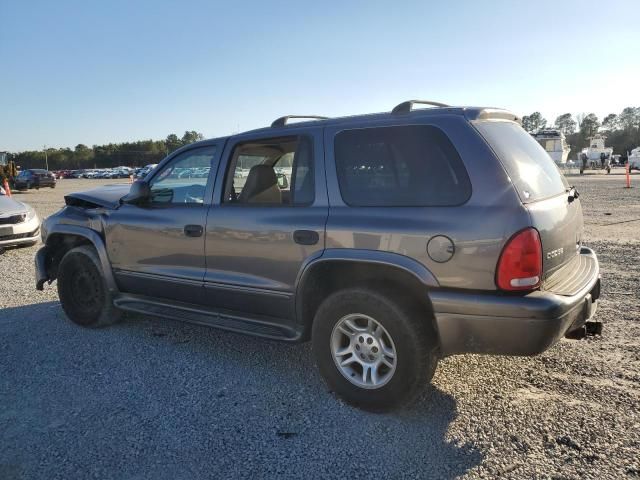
(82, 289)
(372, 350)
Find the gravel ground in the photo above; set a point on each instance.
(151, 398)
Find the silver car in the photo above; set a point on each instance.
(19, 223)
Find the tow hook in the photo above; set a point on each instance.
(593, 328)
(589, 329)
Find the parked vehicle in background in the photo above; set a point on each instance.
(19, 223)
(401, 238)
(34, 178)
(554, 143)
(634, 159)
(145, 170)
(596, 155)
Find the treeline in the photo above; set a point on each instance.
(132, 154)
(622, 131)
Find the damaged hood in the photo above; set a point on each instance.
(107, 196)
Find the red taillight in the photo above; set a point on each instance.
(520, 264)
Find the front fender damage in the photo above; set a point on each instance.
(71, 227)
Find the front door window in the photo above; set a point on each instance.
(183, 180)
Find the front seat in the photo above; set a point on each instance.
(261, 186)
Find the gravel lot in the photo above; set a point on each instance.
(152, 398)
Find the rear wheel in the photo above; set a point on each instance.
(372, 350)
(82, 289)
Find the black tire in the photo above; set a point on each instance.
(82, 289)
(412, 334)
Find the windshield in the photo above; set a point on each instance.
(532, 171)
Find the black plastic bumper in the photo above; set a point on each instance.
(511, 325)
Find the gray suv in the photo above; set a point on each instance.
(389, 240)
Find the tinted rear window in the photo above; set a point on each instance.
(532, 171)
(413, 165)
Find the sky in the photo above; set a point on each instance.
(96, 72)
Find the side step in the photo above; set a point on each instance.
(260, 327)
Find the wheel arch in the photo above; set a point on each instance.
(60, 239)
(343, 268)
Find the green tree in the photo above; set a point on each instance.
(83, 155)
(566, 124)
(533, 122)
(629, 118)
(172, 142)
(589, 126)
(191, 137)
(610, 122)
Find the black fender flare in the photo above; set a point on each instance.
(95, 239)
(360, 256)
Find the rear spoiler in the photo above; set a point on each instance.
(491, 114)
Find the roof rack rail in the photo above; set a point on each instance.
(282, 121)
(405, 107)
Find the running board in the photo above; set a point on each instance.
(224, 320)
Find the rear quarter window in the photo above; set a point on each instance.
(532, 171)
(400, 166)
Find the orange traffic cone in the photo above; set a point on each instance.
(6, 188)
(627, 174)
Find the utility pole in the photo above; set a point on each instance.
(46, 159)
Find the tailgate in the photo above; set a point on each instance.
(543, 190)
(560, 225)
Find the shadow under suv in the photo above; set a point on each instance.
(389, 240)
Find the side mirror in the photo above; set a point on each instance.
(140, 192)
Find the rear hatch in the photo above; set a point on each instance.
(553, 206)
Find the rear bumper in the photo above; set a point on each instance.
(512, 325)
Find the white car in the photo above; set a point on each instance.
(19, 223)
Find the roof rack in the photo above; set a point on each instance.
(405, 107)
(282, 121)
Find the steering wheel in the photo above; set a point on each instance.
(194, 194)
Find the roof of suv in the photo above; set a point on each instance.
(402, 110)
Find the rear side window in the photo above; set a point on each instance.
(531, 169)
(403, 166)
